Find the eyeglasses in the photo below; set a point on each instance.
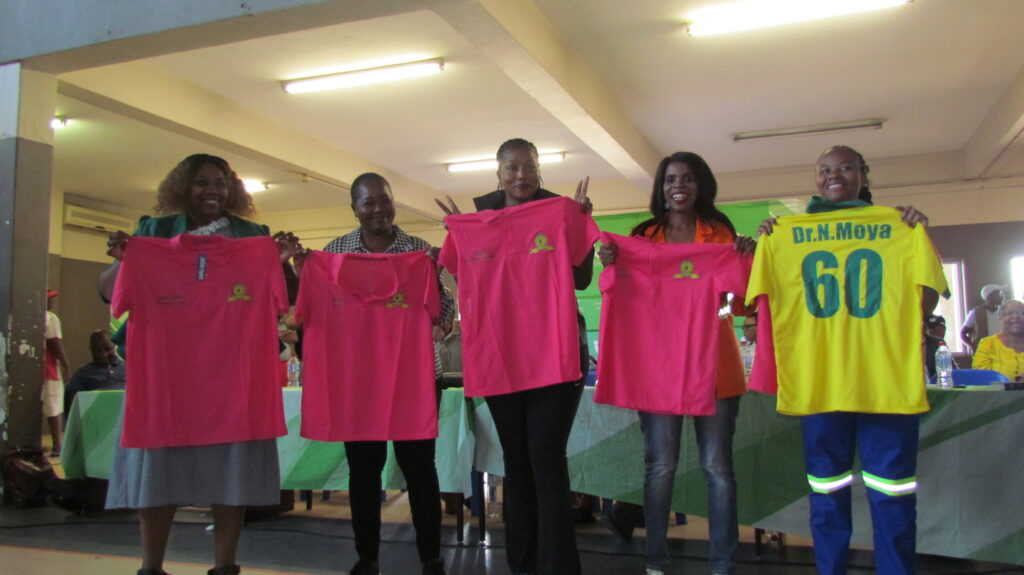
(746, 325)
(1015, 313)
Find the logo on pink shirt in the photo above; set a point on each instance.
(686, 271)
(398, 300)
(540, 244)
(238, 293)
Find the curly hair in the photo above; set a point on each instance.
(171, 196)
(703, 206)
(865, 191)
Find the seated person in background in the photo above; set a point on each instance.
(105, 372)
(748, 346)
(983, 319)
(1004, 351)
(934, 335)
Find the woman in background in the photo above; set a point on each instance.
(1004, 351)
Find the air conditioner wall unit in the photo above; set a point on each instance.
(95, 220)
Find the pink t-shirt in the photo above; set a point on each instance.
(368, 354)
(516, 293)
(764, 376)
(659, 323)
(202, 340)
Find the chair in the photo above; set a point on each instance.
(964, 377)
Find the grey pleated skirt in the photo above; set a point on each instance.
(244, 473)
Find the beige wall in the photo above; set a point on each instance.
(946, 204)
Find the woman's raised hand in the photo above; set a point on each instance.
(581, 196)
(608, 253)
(287, 245)
(766, 227)
(745, 244)
(911, 216)
(116, 243)
(448, 206)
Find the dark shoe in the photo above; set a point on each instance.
(365, 568)
(152, 572)
(435, 567)
(623, 533)
(225, 570)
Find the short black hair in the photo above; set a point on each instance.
(362, 179)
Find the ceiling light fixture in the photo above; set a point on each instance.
(364, 76)
(491, 164)
(255, 186)
(59, 122)
(808, 130)
(751, 14)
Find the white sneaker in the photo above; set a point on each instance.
(655, 571)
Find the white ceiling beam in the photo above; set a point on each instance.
(149, 94)
(516, 36)
(999, 135)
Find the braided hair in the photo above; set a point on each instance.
(865, 192)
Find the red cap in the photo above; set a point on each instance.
(51, 293)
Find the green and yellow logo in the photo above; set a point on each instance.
(398, 300)
(238, 293)
(686, 271)
(540, 244)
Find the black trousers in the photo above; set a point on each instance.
(416, 458)
(533, 427)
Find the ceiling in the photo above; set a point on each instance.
(616, 85)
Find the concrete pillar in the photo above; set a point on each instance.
(27, 103)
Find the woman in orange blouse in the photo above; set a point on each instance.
(683, 210)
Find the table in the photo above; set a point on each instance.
(305, 464)
(970, 474)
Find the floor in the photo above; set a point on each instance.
(49, 540)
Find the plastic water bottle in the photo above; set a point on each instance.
(944, 367)
(294, 372)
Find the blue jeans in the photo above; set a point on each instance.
(661, 454)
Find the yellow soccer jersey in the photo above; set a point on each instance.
(844, 289)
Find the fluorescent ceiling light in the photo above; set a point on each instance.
(807, 130)
(59, 122)
(254, 186)
(363, 77)
(750, 14)
(492, 164)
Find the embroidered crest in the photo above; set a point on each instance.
(540, 244)
(398, 300)
(238, 293)
(686, 271)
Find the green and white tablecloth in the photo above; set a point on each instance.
(305, 464)
(970, 474)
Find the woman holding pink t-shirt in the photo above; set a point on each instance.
(683, 210)
(533, 425)
(201, 196)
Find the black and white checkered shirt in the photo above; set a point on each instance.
(353, 243)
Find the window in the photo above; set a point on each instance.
(952, 309)
(1016, 279)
